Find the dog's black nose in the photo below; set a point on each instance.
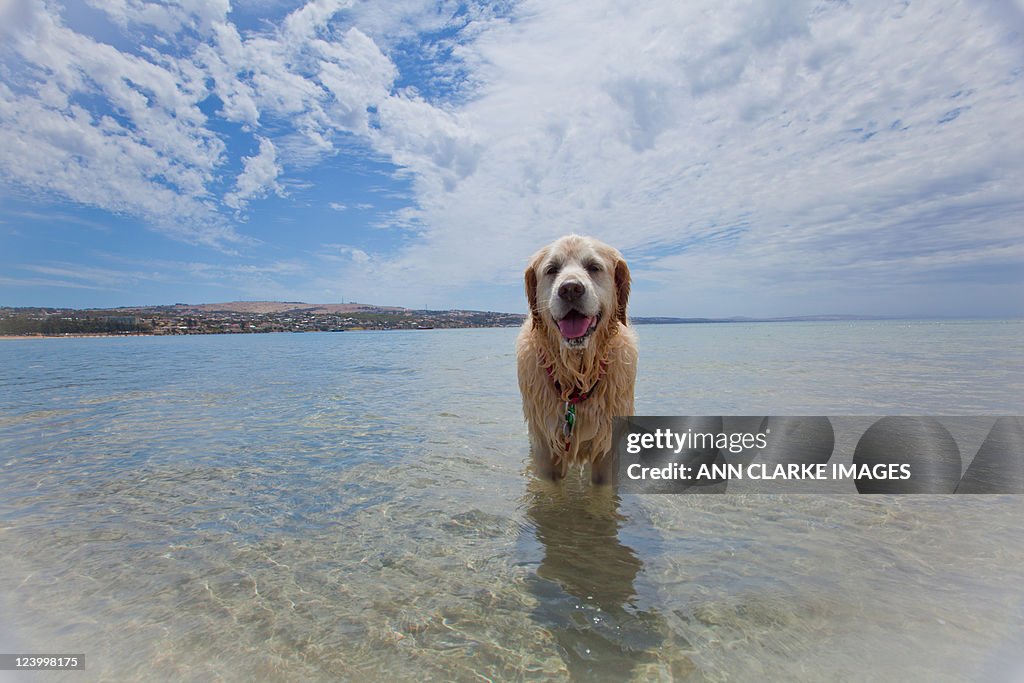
(570, 291)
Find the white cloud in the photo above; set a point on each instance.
(36, 282)
(169, 16)
(99, 277)
(344, 254)
(310, 74)
(125, 130)
(258, 177)
(147, 153)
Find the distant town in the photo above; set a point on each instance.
(250, 317)
(244, 317)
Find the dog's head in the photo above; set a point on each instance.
(577, 286)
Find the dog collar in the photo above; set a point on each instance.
(575, 397)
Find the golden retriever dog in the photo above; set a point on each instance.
(576, 355)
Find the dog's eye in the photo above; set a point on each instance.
(551, 269)
(593, 268)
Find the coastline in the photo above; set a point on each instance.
(21, 337)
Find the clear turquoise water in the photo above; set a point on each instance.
(356, 506)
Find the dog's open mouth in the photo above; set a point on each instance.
(576, 327)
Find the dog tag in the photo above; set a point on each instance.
(570, 419)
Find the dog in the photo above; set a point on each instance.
(576, 355)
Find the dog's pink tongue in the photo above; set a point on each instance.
(573, 325)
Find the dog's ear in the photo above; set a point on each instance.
(531, 292)
(622, 283)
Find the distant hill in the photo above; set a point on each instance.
(278, 307)
(236, 317)
(266, 307)
(239, 317)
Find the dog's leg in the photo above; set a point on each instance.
(603, 470)
(544, 461)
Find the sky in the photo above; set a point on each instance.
(755, 158)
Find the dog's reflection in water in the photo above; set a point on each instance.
(585, 581)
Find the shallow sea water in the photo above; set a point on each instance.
(357, 506)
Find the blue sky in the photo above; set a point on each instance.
(748, 158)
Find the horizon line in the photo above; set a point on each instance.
(667, 317)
